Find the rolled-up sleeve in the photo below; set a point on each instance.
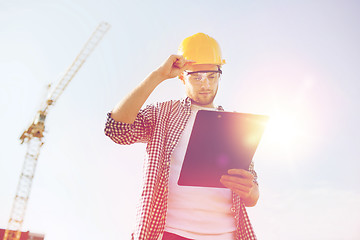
(140, 130)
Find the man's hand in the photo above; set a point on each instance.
(241, 182)
(173, 66)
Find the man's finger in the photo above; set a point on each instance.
(240, 172)
(238, 180)
(179, 62)
(236, 187)
(187, 65)
(183, 64)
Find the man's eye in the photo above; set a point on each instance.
(196, 77)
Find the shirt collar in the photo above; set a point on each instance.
(186, 102)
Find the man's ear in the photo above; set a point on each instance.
(181, 77)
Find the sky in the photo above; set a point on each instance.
(296, 61)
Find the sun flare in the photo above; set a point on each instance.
(283, 130)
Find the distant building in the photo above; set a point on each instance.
(25, 235)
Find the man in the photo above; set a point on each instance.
(166, 210)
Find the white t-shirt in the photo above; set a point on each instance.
(197, 212)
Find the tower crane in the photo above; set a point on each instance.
(34, 134)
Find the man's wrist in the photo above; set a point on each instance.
(152, 81)
(157, 77)
(253, 197)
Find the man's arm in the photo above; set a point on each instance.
(127, 109)
(241, 182)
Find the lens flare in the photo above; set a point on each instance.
(283, 135)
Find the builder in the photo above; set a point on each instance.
(167, 210)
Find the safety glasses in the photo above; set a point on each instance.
(199, 76)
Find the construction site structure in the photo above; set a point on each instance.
(34, 134)
(26, 235)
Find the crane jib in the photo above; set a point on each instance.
(33, 136)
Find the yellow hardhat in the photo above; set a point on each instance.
(202, 49)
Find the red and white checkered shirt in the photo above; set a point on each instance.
(160, 126)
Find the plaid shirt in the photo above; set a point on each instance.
(160, 125)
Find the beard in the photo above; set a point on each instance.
(203, 100)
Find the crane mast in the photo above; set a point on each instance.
(34, 134)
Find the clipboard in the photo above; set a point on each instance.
(220, 141)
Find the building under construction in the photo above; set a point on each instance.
(25, 235)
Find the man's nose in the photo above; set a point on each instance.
(205, 82)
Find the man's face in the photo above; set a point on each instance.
(201, 87)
